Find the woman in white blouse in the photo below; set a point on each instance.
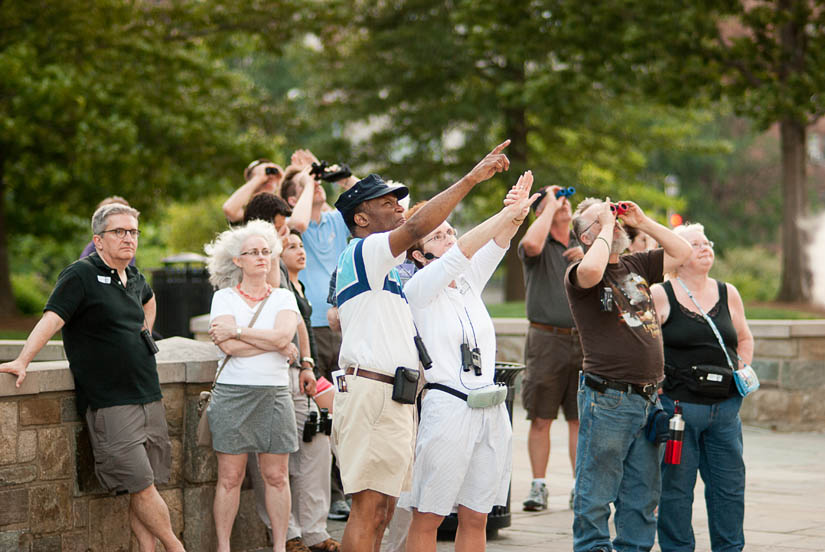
(251, 409)
(464, 444)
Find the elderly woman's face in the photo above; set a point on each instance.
(702, 256)
(255, 257)
(440, 240)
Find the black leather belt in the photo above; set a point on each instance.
(599, 383)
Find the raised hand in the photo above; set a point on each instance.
(634, 216)
(518, 199)
(302, 158)
(494, 162)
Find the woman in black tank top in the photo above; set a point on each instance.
(713, 431)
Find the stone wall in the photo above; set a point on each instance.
(50, 499)
(789, 357)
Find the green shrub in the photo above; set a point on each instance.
(188, 226)
(30, 292)
(755, 272)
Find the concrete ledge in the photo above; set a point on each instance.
(180, 360)
(10, 348)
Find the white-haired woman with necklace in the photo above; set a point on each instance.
(251, 409)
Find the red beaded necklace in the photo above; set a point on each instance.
(256, 299)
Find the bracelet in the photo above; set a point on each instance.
(302, 367)
(308, 360)
(238, 332)
(606, 242)
(518, 221)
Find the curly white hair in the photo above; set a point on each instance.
(223, 272)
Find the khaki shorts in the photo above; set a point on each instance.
(375, 438)
(131, 446)
(552, 376)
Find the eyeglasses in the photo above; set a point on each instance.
(121, 232)
(441, 236)
(586, 228)
(257, 252)
(700, 245)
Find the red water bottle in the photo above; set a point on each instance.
(673, 449)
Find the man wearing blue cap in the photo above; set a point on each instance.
(374, 428)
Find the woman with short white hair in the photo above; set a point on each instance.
(251, 409)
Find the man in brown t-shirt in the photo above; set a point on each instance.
(621, 340)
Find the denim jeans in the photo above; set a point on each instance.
(614, 463)
(713, 446)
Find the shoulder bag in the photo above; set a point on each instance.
(745, 378)
(203, 435)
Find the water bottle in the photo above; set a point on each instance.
(673, 449)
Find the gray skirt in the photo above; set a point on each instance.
(252, 418)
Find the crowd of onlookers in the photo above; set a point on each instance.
(357, 363)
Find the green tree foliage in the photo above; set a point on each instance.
(765, 57)
(426, 87)
(187, 226)
(127, 98)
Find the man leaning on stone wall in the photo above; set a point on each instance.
(102, 305)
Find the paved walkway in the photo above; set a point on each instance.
(785, 496)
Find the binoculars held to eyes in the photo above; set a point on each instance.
(566, 192)
(270, 170)
(619, 208)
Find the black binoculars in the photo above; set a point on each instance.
(314, 425)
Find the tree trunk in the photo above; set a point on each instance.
(516, 125)
(796, 273)
(7, 304)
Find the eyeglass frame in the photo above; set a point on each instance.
(707, 242)
(134, 232)
(450, 232)
(256, 253)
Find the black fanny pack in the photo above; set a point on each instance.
(709, 380)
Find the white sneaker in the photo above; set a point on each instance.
(339, 510)
(537, 499)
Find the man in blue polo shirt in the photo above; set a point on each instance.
(103, 306)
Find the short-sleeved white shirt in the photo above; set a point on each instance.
(376, 323)
(270, 368)
(447, 316)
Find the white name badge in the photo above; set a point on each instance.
(104, 279)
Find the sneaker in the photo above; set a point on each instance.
(296, 545)
(339, 511)
(537, 499)
(572, 498)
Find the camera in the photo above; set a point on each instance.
(334, 173)
(314, 425)
(146, 336)
(606, 299)
(270, 170)
(470, 359)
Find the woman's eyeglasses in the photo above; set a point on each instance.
(701, 244)
(256, 252)
(441, 236)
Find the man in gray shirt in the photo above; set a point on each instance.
(553, 351)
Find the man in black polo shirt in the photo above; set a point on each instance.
(553, 352)
(102, 304)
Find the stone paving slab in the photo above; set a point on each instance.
(784, 497)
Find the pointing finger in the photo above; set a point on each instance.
(500, 147)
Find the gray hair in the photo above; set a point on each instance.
(689, 227)
(223, 272)
(578, 223)
(101, 216)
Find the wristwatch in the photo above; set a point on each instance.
(309, 361)
(238, 332)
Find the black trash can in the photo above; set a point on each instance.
(499, 517)
(182, 291)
